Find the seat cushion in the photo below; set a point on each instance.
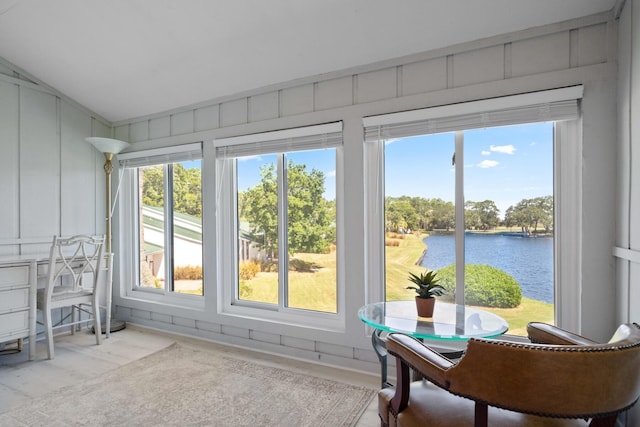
(430, 405)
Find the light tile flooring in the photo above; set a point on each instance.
(78, 358)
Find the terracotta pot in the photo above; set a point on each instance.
(425, 306)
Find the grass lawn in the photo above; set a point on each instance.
(316, 289)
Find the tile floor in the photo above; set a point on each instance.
(78, 358)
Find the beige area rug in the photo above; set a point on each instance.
(189, 387)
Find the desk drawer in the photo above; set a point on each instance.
(14, 276)
(14, 300)
(14, 324)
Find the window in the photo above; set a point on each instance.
(276, 202)
(438, 168)
(167, 193)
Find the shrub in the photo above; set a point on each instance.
(299, 265)
(485, 286)
(245, 289)
(187, 272)
(249, 269)
(269, 267)
(390, 242)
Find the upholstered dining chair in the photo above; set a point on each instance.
(559, 379)
(73, 280)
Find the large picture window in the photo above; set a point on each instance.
(471, 196)
(276, 202)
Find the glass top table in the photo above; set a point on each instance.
(451, 322)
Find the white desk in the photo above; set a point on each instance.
(18, 286)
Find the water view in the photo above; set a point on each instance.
(528, 260)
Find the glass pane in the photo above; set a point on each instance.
(187, 227)
(311, 230)
(257, 228)
(509, 220)
(152, 225)
(419, 209)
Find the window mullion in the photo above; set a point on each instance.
(168, 226)
(459, 209)
(283, 249)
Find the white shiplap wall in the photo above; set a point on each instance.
(50, 175)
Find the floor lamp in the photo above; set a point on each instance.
(109, 147)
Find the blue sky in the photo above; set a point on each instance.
(503, 164)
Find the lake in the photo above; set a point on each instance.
(528, 259)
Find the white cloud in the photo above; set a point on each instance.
(505, 149)
(256, 157)
(331, 174)
(485, 152)
(485, 164)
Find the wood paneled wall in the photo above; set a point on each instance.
(51, 180)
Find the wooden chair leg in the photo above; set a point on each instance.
(481, 414)
(609, 421)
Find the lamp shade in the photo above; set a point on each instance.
(107, 145)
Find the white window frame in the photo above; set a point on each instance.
(559, 105)
(130, 222)
(224, 151)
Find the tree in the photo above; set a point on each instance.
(481, 215)
(187, 188)
(400, 214)
(311, 225)
(259, 206)
(443, 214)
(529, 213)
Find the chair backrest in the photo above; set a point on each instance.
(73, 262)
(569, 381)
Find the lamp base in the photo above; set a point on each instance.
(116, 325)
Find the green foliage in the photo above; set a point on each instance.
(245, 289)
(530, 213)
(187, 188)
(311, 218)
(481, 215)
(418, 213)
(485, 286)
(426, 284)
(249, 269)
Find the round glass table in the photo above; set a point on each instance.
(451, 322)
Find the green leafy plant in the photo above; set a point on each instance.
(426, 284)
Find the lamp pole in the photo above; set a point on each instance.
(109, 147)
(108, 168)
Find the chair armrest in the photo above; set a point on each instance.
(542, 333)
(428, 362)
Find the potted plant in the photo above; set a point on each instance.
(427, 288)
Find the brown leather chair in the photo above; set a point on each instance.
(560, 379)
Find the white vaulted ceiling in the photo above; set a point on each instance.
(130, 58)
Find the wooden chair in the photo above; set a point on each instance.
(560, 379)
(73, 280)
